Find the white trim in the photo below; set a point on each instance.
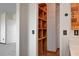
(18, 28)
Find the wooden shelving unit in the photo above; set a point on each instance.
(42, 29)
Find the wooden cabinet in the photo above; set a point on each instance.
(42, 29)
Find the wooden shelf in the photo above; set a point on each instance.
(42, 19)
(42, 29)
(42, 38)
(43, 9)
(45, 28)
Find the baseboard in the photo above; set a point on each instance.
(53, 51)
(2, 43)
(57, 49)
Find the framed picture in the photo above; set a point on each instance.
(74, 16)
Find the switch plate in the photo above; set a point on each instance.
(76, 32)
(33, 31)
(64, 32)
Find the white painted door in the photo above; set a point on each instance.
(2, 40)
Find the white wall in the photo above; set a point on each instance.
(8, 27)
(51, 26)
(65, 24)
(0, 26)
(11, 27)
(3, 30)
(28, 18)
(58, 25)
(24, 29)
(6, 10)
(33, 18)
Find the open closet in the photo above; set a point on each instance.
(48, 29)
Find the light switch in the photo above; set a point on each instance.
(33, 31)
(76, 32)
(64, 32)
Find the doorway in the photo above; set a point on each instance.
(48, 29)
(8, 29)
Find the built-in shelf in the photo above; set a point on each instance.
(42, 29)
(43, 9)
(42, 38)
(42, 19)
